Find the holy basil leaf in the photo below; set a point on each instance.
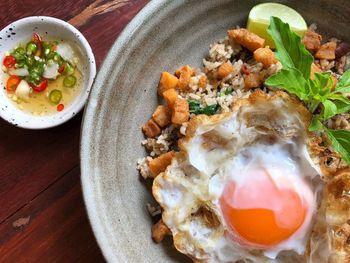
(340, 140)
(290, 80)
(340, 97)
(341, 106)
(320, 86)
(314, 87)
(343, 85)
(329, 109)
(342, 103)
(290, 50)
(315, 124)
(324, 79)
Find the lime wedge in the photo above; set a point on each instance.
(259, 20)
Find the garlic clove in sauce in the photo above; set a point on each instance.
(51, 71)
(23, 90)
(66, 52)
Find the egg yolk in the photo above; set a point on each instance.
(261, 213)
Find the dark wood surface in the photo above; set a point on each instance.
(42, 214)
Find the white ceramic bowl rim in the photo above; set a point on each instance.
(15, 116)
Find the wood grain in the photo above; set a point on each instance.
(52, 227)
(95, 9)
(42, 215)
(32, 160)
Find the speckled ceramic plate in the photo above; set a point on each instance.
(163, 36)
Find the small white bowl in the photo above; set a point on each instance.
(21, 32)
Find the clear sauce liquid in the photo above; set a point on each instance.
(39, 103)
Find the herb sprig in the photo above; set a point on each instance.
(315, 90)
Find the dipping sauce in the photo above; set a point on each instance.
(42, 76)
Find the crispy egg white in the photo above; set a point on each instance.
(234, 166)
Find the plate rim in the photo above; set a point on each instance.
(86, 138)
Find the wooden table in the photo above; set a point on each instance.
(42, 214)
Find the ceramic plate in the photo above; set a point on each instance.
(163, 36)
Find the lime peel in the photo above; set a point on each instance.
(259, 20)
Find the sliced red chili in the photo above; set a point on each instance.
(12, 83)
(38, 41)
(61, 69)
(9, 61)
(244, 70)
(41, 87)
(36, 38)
(60, 107)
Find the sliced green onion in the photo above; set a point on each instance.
(36, 72)
(30, 61)
(68, 69)
(58, 58)
(50, 62)
(31, 48)
(18, 56)
(51, 55)
(46, 45)
(61, 62)
(39, 70)
(228, 91)
(20, 50)
(69, 81)
(34, 78)
(46, 51)
(20, 64)
(55, 96)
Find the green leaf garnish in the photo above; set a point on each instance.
(196, 108)
(340, 140)
(342, 106)
(211, 109)
(324, 83)
(343, 85)
(290, 80)
(290, 51)
(315, 124)
(295, 79)
(329, 109)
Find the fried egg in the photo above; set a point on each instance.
(243, 186)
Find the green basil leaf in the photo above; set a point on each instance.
(341, 106)
(315, 124)
(340, 140)
(339, 97)
(314, 87)
(343, 85)
(324, 79)
(342, 102)
(329, 110)
(290, 80)
(290, 50)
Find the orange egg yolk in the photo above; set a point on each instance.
(260, 213)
